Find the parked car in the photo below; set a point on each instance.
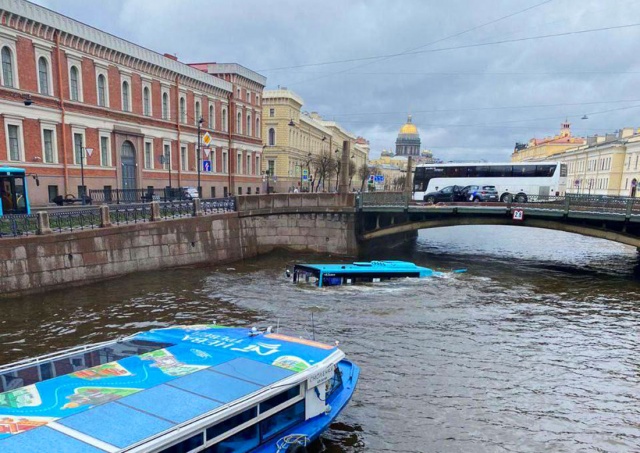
(480, 193)
(449, 193)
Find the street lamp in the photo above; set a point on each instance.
(200, 121)
(83, 150)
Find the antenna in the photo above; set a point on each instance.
(313, 328)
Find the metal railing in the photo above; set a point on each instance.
(176, 209)
(216, 205)
(381, 199)
(74, 220)
(18, 225)
(128, 196)
(134, 213)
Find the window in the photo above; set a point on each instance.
(258, 168)
(53, 192)
(239, 123)
(77, 147)
(239, 190)
(14, 142)
(183, 110)
(258, 131)
(186, 445)
(248, 168)
(165, 106)
(225, 124)
(148, 155)
(125, 96)
(241, 442)
(212, 118)
(281, 421)
(239, 164)
(198, 113)
(234, 421)
(146, 101)
(225, 191)
(47, 144)
(248, 190)
(225, 161)
(248, 124)
(74, 91)
(102, 91)
(7, 67)
(104, 151)
(43, 75)
(184, 164)
(167, 157)
(272, 137)
(272, 113)
(271, 167)
(213, 195)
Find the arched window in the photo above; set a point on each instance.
(165, 106)
(73, 81)
(212, 119)
(102, 93)
(248, 124)
(225, 124)
(7, 67)
(146, 101)
(239, 123)
(125, 96)
(272, 137)
(43, 75)
(258, 131)
(183, 110)
(198, 113)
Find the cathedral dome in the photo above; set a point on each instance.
(409, 128)
(408, 141)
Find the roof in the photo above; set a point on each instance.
(409, 128)
(12, 169)
(187, 372)
(233, 68)
(73, 27)
(282, 93)
(388, 267)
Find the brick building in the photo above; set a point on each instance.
(136, 109)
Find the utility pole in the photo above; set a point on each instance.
(200, 120)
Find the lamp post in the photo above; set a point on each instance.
(267, 172)
(200, 121)
(83, 150)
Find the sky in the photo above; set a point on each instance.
(367, 64)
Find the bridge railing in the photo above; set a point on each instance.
(381, 199)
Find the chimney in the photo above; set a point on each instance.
(173, 57)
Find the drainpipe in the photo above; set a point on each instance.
(229, 124)
(178, 128)
(62, 115)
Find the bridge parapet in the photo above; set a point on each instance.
(295, 202)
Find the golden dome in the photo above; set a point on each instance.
(409, 128)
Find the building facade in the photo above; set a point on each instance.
(129, 115)
(295, 141)
(544, 148)
(408, 141)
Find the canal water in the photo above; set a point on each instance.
(535, 348)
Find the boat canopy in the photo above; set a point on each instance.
(333, 274)
(118, 395)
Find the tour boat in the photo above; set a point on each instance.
(369, 271)
(201, 388)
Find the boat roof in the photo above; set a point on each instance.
(187, 372)
(366, 267)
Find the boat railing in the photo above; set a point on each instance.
(25, 363)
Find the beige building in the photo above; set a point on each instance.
(543, 148)
(294, 140)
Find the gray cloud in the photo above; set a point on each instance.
(594, 67)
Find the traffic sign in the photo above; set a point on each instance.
(206, 165)
(207, 151)
(518, 214)
(379, 178)
(305, 174)
(206, 139)
(89, 151)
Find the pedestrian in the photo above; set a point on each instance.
(634, 186)
(295, 190)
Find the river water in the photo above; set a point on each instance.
(535, 348)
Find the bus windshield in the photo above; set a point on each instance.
(511, 180)
(13, 192)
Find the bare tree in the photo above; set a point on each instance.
(324, 167)
(363, 174)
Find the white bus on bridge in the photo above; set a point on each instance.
(513, 181)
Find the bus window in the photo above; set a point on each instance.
(524, 170)
(501, 171)
(20, 197)
(482, 172)
(545, 170)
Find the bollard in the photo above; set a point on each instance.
(105, 216)
(197, 207)
(155, 211)
(43, 223)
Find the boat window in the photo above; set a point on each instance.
(335, 382)
(279, 399)
(232, 422)
(331, 281)
(241, 442)
(186, 445)
(281, 421)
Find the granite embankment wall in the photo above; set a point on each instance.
(303, 222)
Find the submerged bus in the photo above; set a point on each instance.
(13, 191)
(513, 181)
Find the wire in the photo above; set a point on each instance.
(463, 46)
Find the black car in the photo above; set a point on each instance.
(480, 193)
(449, 193)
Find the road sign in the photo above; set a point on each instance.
(207, 151)
(379, 178)
(89, 151)
(518, 214)
(206, 139)
(305, 174)
(206, 165)
(576, 182)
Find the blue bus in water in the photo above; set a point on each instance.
(13, 191)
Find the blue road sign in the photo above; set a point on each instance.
(305, 174)
(206, 165)
(379, 178)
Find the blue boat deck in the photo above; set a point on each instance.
(118, 404)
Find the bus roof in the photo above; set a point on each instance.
(485, 164)
(12, 170)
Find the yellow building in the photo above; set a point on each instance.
(293, 141)
(543, 148)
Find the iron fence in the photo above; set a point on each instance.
(128, 196)
(215, 205)
(136, 213)
(382, 199)
(74, 220)
(175, 209)
(18, 225)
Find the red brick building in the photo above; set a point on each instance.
(131, 106)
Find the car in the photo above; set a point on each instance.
(446, 194)
(480, 193)
(189, 193)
